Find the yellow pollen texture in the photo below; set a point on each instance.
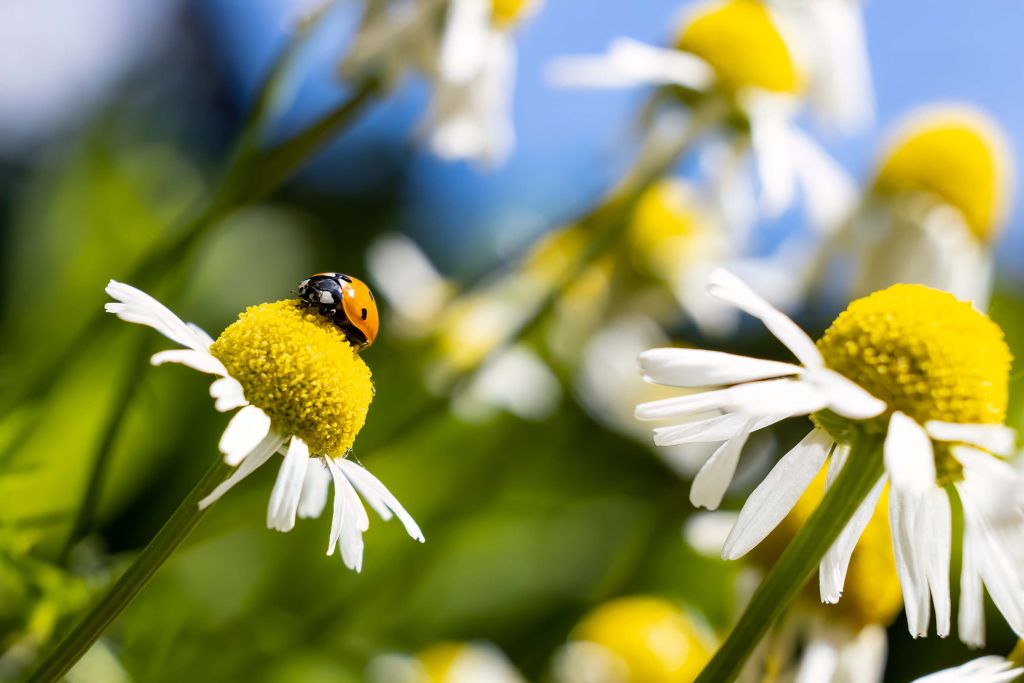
(653, 638)
(955, 161)
(871, 594)
(506, 12)
(298, 367)
(924, 353)
(743, 45)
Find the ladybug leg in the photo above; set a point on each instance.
(329, 311)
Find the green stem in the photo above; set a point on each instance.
(800, 559)
(170, 536)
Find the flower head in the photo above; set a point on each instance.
(634, 640)
(300, 390)
(907, 363)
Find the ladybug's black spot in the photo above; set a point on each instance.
(364, 314)
(346, 278)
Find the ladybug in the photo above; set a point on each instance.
(345, 300)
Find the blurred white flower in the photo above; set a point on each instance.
(473, 662)
(949, 432)
(313, 424)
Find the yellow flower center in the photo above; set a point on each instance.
(298, 367)
(507, 12)
(653, 638)
(663, 225)
(438, 660)
(957, 159)
(924, 353)
(872, 591)
(742, 43)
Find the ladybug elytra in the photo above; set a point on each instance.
(345, 300)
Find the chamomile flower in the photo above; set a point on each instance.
(911, 365)
(470, 62)
(456, 662)
(733, 56)
(989, 669)
(935, 207)
(634, 640)
(299, 389)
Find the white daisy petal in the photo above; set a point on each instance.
(710, 430)
(250, 462)
(776, 495)
(935, 529)
(649, 64)
(909, 458)
(845, 398)
(787, 397)
(135, 306)
(349, 520)
(902, 523)
(284, 499)
(833, 568)
(819, 661)
(315, 489)
(728, 287)
(836, 462)
(246, 429)
(713, 479)
(998, 572)
(377, 495)
(971, 614)
(201, 334)
(990, 669)
(699, 368)
(465, 40)
(998, 439)
(227, 394)
(197, 360)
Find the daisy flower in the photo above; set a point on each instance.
(731, 56)
(299, 389)
(634, 640)
(937, 203)
(456, 662)
(910, 366)
(989, 669)
(470, 62)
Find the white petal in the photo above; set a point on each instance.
(378, 496)
(315, 489)
(135, 306)
(998, 572)
(349, 520)
(909, 458)
(587, 71)
(713, 479)
(833, 568)
(251, 461)
(227, 394)
(699, 368)
(998, 439)
(845, 397)
(718, 428)
(464, 46)
(902, 518)
(707, 532)
(819, 661)
(774, 497)
(728, 287)
(971, 614)
(935, 531)
(284, 499)
(787, 397)
(650, 64)
(990, 669)
(246, 429)
(197, 360)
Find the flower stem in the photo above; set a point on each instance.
(174, 531)
(801, 557)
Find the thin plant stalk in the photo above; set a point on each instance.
(800, 559)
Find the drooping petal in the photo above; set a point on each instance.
(377, 495)
(349, 520)
(998, 439)
(135, 306)
(315, 489)
(247, 428)
(845, 398)
(700, 368)
(251, 461)
(649, 64)
(227, 394)
(713, 479)
(998, 572)
(197, 360)
(787, 397)
(833, 567)
(710, 430)
(284, 499)
(909, 458)
(909, 567)
(728, 287)
(971, 614)
(935, 531)
(776, 495)
(990, 669)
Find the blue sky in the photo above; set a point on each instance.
(571, 143)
